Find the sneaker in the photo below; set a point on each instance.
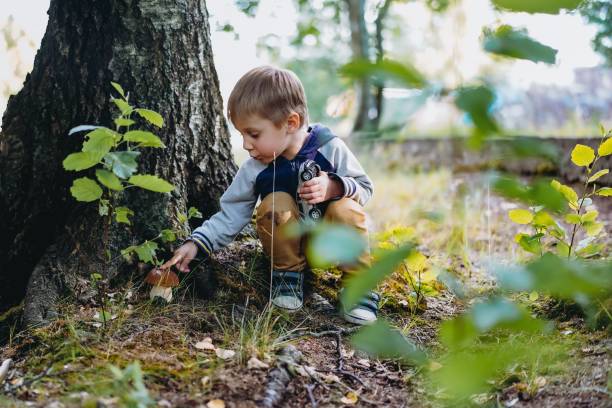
(365, 312)
(288, 289)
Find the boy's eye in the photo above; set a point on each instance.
(254, 135)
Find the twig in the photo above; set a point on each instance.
(340, 369)
(309, 389)
(332, 332)
(30, 381)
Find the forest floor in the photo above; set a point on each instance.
(223, 351)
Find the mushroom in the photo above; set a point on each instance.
(163, 281)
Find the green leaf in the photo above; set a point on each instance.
(520, 216)
(586, 248)
(122, 214)
(381, 70)
(100, 141)
(193, 213)
(143, 138)
(108, 179)
(590, 250)
(599, 174)
(359, 284)
(123, 163)
(589, 216)
(570, 195)
(568, 279)
(334, 244)
(146, 251)
(151, 182)
(605, 191)
(383, 341)
(118, 88)
(540, 193)
(538, 6)
(152, 117)
(80, 161)
(168, 235)
(530, 243)
(85, 189)
(582, 155)
(592, 228)
(562, 249)
(517, 44)
(124, 122)
(123, 106)
(500, 312)
(182, 218)
(544, 219)
(605, 148)
(572, 218)
(477, 101)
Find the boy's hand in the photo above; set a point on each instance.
(320, 189)
(182, 256)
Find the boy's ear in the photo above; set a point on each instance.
(293, 122)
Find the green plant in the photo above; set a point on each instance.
(414, 271)
(114, 153)
(99, 285)
(579, 214)
(129, 387)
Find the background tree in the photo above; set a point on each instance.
(599, 13)
(161, 53)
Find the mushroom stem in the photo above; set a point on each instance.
(162, 292)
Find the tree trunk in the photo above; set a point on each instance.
(160, 52)
(360, 51)
(383, 10)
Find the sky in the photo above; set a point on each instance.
(567, 33)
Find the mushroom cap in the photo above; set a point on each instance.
(161, 277)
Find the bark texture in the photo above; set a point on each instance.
(160, 52)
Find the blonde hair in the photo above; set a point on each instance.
(270, 92)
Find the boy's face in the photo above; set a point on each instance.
(262, 139)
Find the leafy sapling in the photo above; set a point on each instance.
(581, 215)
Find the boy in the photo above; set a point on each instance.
(268, 107)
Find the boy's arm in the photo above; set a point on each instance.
(237, 204)
(349, 172)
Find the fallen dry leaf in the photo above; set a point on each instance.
(255, 363)
(205, 344)
(331, 378)
(216, 403)
(540, 382)
(349, 399)
(205, 381)
(225, 354)
(364, 362)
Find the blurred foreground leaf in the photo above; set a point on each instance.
(514, 43)
(365, 280)
(540, 193)
(386, 69)
(332, 244)
(476, 101)
(537, 6)
(381, 340)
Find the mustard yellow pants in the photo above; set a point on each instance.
(289, 252)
